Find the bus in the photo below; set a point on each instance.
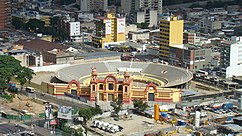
(30, 89)
(202, 72)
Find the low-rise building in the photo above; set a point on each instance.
(129, 28)
(139, 35)
(210, 24)
(189, 38)
(50, 51)
(190, 56)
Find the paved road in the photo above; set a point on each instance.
(8, 128)
(55, 100)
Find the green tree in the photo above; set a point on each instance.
(50, 31)
(140, 104)
(35, 25)
(17, 22)
(144, 25)
(54, 21)
(25, 74)
(11, 68)
(85, 113)
(3, 84)
(117, 106)
(8, 67)
(88, 113)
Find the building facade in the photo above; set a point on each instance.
(189, 38)
(148, 16)
(171, 34)
(111, 88)
(74, 31)
(5, 13)
(93, 5)
(210, 24)
(134, 5)
(231, 59)
(190, 57)
(109, 29)
(139, 35)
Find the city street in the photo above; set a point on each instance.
(55, 100)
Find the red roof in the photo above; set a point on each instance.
(40, 45)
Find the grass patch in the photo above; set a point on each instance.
(7, 97)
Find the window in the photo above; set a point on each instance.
(120, 87)
(126, 89)
(93, 88)
(110, 86)
(101, 87)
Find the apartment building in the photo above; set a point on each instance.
(190, 56)
(231, 59)
(189, 38)
(134, 5)
(5, 13)
(109, 29)
(171, 34)
(93, 5)
(71, 27)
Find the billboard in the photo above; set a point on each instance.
(64, 112)
(108, 28)
(121, 25)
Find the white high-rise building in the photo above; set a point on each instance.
(74, 31)
(231, 59)
(148, 16)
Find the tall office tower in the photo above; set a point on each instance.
(171, 34)
(131, 5)
(5, 13)
(93, 5)
(109, 29)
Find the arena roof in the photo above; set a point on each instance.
(170, 75)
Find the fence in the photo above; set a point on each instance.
(16, 117)
(42, 115)
(82, 99)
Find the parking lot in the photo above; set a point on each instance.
(135, 125)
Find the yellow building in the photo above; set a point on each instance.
(45, 19)
(47, 38)
(111, 88)
(171, 34)
(109, 29)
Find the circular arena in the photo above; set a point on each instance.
(141, 72)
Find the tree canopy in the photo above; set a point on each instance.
(142, 25)
(11, 68)
(88, 113)
(140, 104)
(35, 25)
(117, 106)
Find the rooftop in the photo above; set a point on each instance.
(233, 127)
(40, 45)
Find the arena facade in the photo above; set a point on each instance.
(109, 81)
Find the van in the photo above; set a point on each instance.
(30, 90)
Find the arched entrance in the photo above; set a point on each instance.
(151, 91)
